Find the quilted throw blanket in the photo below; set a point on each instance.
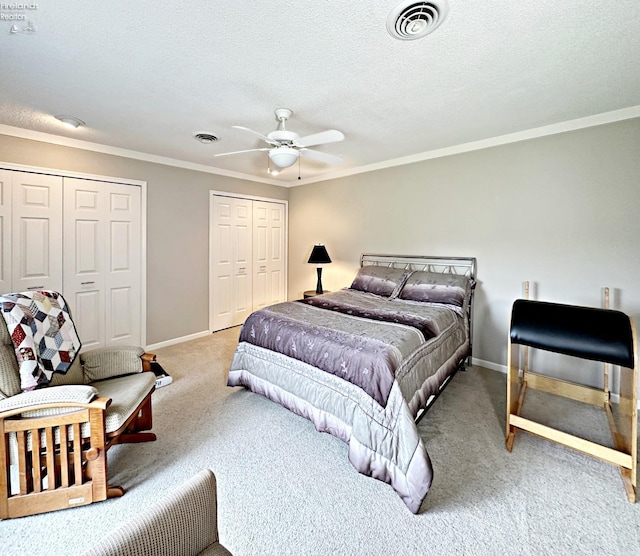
(43, 335)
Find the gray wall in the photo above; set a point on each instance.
(177, 226)
(560, 211)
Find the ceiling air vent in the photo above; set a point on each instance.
(412, 20)
(205, 137)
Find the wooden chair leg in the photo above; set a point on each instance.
(115, 491)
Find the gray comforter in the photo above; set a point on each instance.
(360, 367)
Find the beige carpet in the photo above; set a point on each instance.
(286, 489)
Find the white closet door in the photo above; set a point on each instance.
(123, 288)
(102, 261)
(230, 261)
(84, 259)
(268, 253)
(36, 260)
(6, 178)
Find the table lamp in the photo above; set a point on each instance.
(319, 256)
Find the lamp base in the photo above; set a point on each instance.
(319, 284)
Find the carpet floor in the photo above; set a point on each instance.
(284, 488)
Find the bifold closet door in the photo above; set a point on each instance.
(268, 253)
(231, 261)
(36, 242)
(102, 261)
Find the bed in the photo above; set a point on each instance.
(366, 362)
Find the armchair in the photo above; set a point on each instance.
(54, 440)
(185, 523)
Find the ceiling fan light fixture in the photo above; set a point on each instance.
(287, 147)
(283, 157)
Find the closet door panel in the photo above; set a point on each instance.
(242, 297)
(276, 259)
(261, 294)
(221, 263)
(102, 261)
(88, 235)
(87, 308)
(223, 290)
(260, 288)
(242, 240)
(242, 228)
(121, 325)
(123, 269)
(84, 261)
(268, 248)
(36, 260)
(230, 261)
(223, 297)
(277, 288)
(34, 234)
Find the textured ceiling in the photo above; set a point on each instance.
(145, 75)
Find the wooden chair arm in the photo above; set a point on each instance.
(98, 403)
(147, 358)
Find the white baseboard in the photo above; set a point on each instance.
(489, 365)
(168, 343)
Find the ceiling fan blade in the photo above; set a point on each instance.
(238, 152)
(329, 136)
(263, 137)
(320, 156)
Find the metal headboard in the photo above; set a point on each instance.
(463, 266)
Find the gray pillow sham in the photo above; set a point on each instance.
(436, 287)
(380, 280)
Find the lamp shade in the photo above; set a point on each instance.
(283, 157)
(319, 255)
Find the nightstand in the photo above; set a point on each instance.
(312, 293)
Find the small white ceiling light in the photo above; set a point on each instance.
(412, 20)
(70, 121)
(283, 157)
(205, 137)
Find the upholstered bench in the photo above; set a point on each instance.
(586, 333)
(54, 440)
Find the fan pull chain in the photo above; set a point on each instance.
(299, 167)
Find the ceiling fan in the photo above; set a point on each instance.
(286, 147)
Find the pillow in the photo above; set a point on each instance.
(436, 287)
(380, 280)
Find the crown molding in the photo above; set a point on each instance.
(127, 153)
(553, 129)
(543, 131)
